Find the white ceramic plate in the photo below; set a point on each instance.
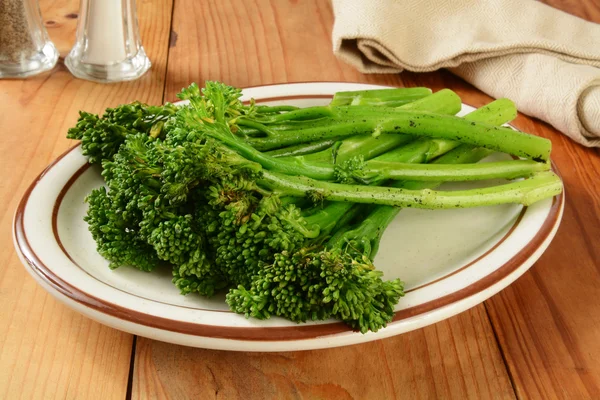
(450, 260)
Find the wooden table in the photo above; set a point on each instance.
(539, 338)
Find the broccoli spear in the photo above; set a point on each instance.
(423, 151)
(354, 120)
(444, 101)
(294, 286)
(198, 115)
(367, 235)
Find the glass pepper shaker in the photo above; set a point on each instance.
(25, 49)
(108, 46)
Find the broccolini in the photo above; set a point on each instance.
(192, 188)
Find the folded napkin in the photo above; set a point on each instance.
(546, 61)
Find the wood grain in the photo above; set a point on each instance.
(548, 322)
(46, 350)
(457, 358)
(248, 43)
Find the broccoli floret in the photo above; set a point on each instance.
(101, 138)
(205, 285)
(140, 117)
(319, 284)
(115, 234)
(242, 248)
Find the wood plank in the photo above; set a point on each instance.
(247, 43)
(457, 358)
(256, 42)
(548, 322)
(46, 350)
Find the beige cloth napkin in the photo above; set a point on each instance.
(546, 61)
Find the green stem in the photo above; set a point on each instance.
(443, 102)
(378, 170)
(498, 112)
(301, 114)
(275, 109)
(386, 97)
(420, 123)
(540, 186)
(302, 149)
(290, 167)
(418, 151)
(423, 151)
(368, 232)
(329, 217)
(244, 122)
(365, 237)
(367, 146)
(463, 154)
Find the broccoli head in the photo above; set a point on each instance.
(315, 284)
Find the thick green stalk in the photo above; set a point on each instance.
(259, 129)
(290, 167)
(377, 170)
(275, 109)
(498, 112)
(323, 117)
(418, 151)
(444, 102)
(256, 126)
(365, 237)
(366, 145)
(330, 216)
(325, 172)
(463, 154)
(388, 97)
(303, 149)
(368, 233)
(301, 114)
(540, 186)
(419, 123)
(423, 150)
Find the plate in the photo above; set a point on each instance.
(450, 260)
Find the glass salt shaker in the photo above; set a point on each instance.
(25, 49)
(108, 46)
